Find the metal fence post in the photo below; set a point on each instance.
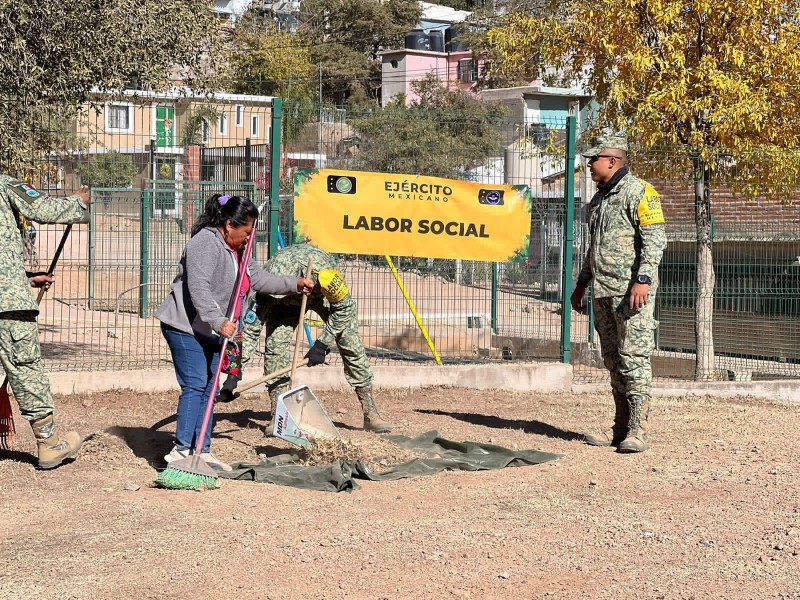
(248, 161)
(494, 297)
(275, 175)
(569, 236)
(144, 259)
(92, 258)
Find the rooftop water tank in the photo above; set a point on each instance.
(416, 39)
(436, 40)
(451, 43)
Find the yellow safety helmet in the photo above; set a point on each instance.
(332, 284)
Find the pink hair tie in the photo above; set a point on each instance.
(223, 200)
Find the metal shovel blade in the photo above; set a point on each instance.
(300, 418)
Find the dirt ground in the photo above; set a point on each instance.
(711, 511)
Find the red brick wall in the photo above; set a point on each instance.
(677, 201)
(191, 174)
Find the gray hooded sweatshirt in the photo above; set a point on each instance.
(200, 299)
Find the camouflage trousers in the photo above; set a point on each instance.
(280, 324)
(21, 357)
(627, 338)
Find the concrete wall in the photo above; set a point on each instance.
(531, 377)
(539, 377)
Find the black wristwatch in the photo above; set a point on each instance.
(645, 279)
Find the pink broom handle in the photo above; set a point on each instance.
(211, 397)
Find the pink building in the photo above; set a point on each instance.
(402, 67)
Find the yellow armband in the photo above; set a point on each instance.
(332, 285)
(649, 210)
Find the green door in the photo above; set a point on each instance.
(165, 126)
(164, 200)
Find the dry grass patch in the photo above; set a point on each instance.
(378, 454)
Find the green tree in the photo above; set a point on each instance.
(443, 133)
(474, 34)
(716, 78)
(55, 54)
(265, 60)
(109, 170)
(347, 35)
(195, 119)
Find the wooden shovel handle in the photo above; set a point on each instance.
(256, 382)
(298, 334)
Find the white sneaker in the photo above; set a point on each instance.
(215, 463)
(176, 454)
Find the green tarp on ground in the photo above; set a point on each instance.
(440, 454)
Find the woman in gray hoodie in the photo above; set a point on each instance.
(195, 316)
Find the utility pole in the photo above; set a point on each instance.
(319, 120)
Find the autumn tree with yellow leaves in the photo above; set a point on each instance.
(719, 79)
(266, 60)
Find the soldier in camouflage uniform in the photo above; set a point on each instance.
(19, 338)
(332, 301)
(627, 238)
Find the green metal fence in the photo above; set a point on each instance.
(756, 257)
(116, 271)
(474, 311)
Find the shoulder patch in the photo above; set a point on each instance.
(649, 210)
(24, 191)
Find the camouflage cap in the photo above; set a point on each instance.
(606, 142)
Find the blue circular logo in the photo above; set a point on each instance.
(492, 197)
(33, 193)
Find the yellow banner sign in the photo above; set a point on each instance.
(358, 212)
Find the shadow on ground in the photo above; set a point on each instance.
(145, 442)
(534, 427)
(16, 455)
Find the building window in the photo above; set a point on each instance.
(222, 124)
(119, 117)
(239, 115)
(205, 132)
(538, 134)
(468, 70)
(254, 126)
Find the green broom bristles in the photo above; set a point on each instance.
(175, 479)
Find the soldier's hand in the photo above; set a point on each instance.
(42, 281)
(83, 194)
(305, 286)
(639, 295)
(576, 300)
(316, 355)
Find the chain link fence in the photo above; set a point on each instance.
(474, 311)
(151, 162)
(755, 248)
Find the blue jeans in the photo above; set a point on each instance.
(195, 361)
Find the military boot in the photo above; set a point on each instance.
(54, 449)
(372, 420)
(273, 408)
(619, 430)
(637, 440)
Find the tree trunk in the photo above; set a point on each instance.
(704, 301)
